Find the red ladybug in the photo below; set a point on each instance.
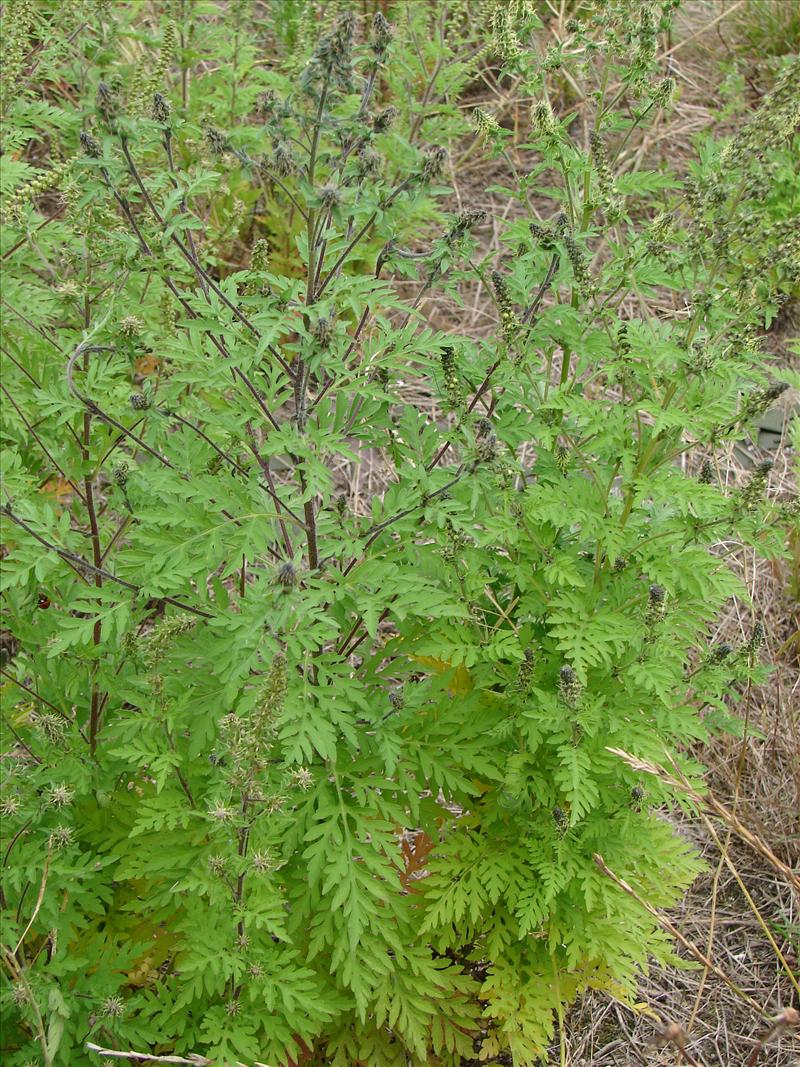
(44, 602)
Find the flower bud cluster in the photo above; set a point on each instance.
(656, 605)
(544, 124)
(776, 118)
(486, 126)
(509, 323)
(456, 541)
(611, 203)
(463, 225)
(259, 265)
(752, 493)
(162, 109)
(760, 400)
(155, 645)
(331, 62)
(754, 643)
(561, 819)
(577, 259)
(452, 383)
(381, 36)
(19, 20)
(47, 179)
(524, 677)
(570, 689)
(659, 233)
(433, 163)
(504, 38)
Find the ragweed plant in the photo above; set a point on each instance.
(292, 780)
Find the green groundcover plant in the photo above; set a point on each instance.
(291, 781)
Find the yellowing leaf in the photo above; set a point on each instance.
(461, 683)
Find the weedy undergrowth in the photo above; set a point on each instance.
(289, 782)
